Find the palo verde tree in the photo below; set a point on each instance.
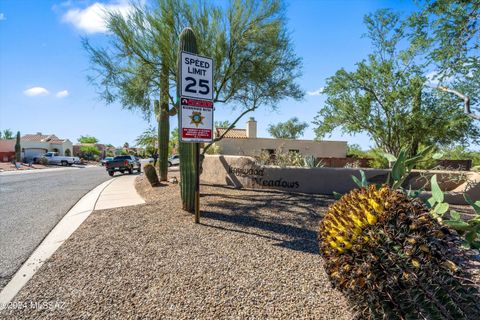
(139, 66)
(87, 139)
(291, 129)
(89, 151)
(148, 140)
(452, 30)
(129, 69)
(253, 55)
(255, 64)
(387, 97)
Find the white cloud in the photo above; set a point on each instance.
(2, 16)
(92, 18)
(316, 92)
(62, 94)
(36, 91)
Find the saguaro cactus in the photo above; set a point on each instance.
(18, 149)
(187, 152)
(163, 124)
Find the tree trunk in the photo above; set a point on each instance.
(187, 152)
(416, 108)
(163, 125)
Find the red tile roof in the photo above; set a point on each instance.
(232, 133)
(40, 137)
(57, 141)
(7, 145)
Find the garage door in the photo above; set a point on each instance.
(33, 153)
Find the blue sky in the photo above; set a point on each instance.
(43, 67)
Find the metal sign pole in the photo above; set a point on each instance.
(197, 185)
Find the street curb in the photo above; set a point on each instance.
(59, 234)
(14, 172)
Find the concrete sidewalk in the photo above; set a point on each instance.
(120, 192)
(117, 192)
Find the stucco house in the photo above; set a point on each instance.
(7, 150)
(245, 142)
(34, 145)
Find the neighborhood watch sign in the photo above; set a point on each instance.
(196, 102)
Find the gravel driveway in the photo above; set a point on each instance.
(254, 256)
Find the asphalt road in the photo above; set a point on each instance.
(31, 204)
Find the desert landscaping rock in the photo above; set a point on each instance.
(254, 256)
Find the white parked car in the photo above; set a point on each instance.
(174, 160)
(54, 158)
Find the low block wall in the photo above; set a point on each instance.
(244, 172)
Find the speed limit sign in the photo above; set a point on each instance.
(196, 76)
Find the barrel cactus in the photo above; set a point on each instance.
(151, 175)
(393, 260)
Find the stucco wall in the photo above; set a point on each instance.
(251, 147)
(48, 147)
(243, 172)
(62, 147)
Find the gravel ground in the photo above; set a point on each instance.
(254, 256)
(8, 166)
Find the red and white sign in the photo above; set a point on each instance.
(197, 120)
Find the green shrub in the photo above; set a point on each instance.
(214, 149)
(311, 162)
(393, 260)
(151, 175)
(42, 161)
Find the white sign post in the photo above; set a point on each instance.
(196, 98)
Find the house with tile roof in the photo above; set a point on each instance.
(245, 142)
(7, 150)
(34, 145)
